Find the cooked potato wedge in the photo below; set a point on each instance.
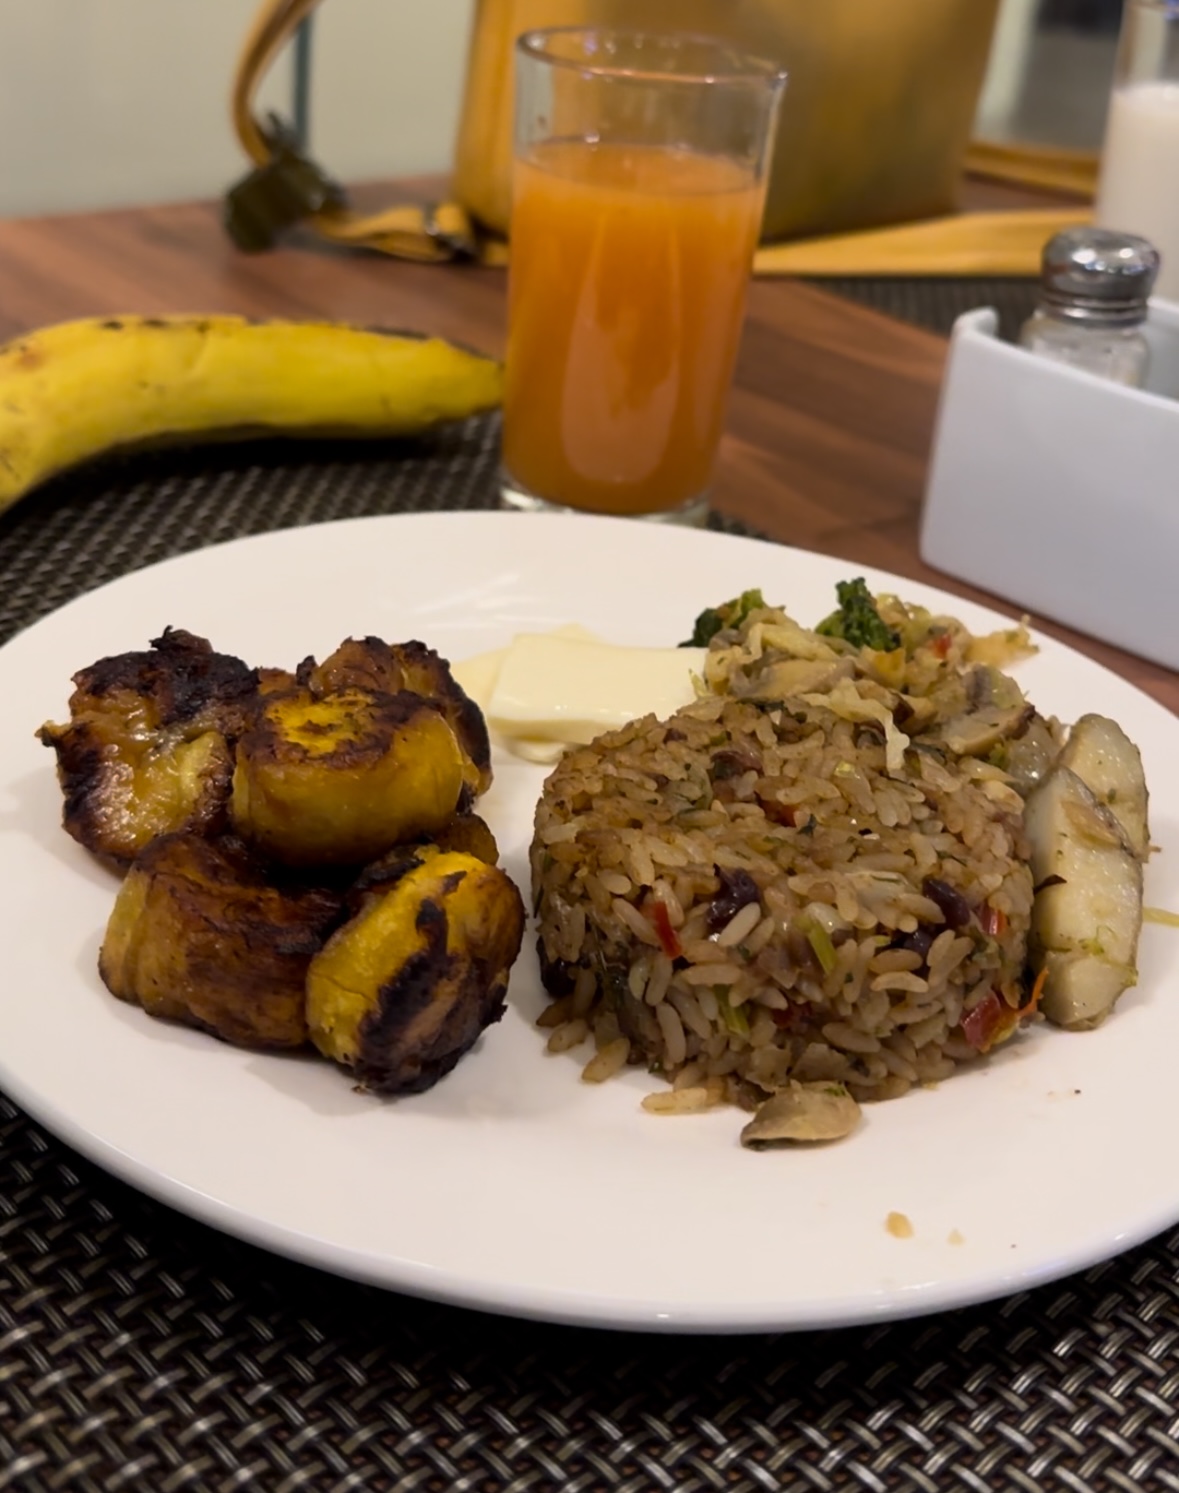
(402, 990)
(339, 778)
(199, 935)
(1110, 766)
(148, 746)
(1087, 913)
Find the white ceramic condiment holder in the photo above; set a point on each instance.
(1059, 490)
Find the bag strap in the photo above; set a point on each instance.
(287, 187)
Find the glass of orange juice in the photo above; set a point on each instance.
(637, 194)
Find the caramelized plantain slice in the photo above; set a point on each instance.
(402, 990)
(148, 746)
(199, 934)
(465, 832)
(372, 664)
(339, 778)
(470, 834)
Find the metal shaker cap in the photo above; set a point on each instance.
(1097, 276)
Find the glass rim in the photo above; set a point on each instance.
(743, 68)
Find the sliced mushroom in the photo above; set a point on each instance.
(1087, 913)
(976, 732)
(983, 688)
(780, 678)
(802, 1112)
(784, 635)
(1110, 765)
(1033, 754)
(915, 713)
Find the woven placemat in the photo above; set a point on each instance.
(102, 522)
(937, 303)
(140, 1350)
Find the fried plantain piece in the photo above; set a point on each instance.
(273, 681)
(465, 832)
(199, 934)
(148, 749)
(339, 777)
(401, 991)
(372, 664)
(470, 834)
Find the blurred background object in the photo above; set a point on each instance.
(873, 127)
(119, 102)
(1138, 189)
(1051, 68)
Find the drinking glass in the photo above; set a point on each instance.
(1138, 189)
(638, 186)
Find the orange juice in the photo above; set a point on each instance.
(629, 267)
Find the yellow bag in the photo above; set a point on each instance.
(874, 122)
(874, 130)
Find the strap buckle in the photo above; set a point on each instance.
(275, 196)
(448, 226)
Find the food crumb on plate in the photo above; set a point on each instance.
(692, 1100)
(956, 1237)
(899, 1225)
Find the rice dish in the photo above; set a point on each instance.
(815, 874)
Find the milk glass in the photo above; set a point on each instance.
(1138, 191)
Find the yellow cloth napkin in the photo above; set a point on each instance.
(999, 243)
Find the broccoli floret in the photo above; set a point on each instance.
(857, 621)
(730, 614)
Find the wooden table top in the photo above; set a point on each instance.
(831, 421)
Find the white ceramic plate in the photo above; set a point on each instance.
(512, 1186)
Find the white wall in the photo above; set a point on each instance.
(115, 102)
(108, 103)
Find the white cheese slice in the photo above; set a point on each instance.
(476, 675)
(570, 689)
(544, 752)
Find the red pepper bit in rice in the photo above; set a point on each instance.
(992, 1021)
(660, 920)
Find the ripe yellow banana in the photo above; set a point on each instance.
(73, 391)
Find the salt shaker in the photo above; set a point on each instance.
(1094, 287)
